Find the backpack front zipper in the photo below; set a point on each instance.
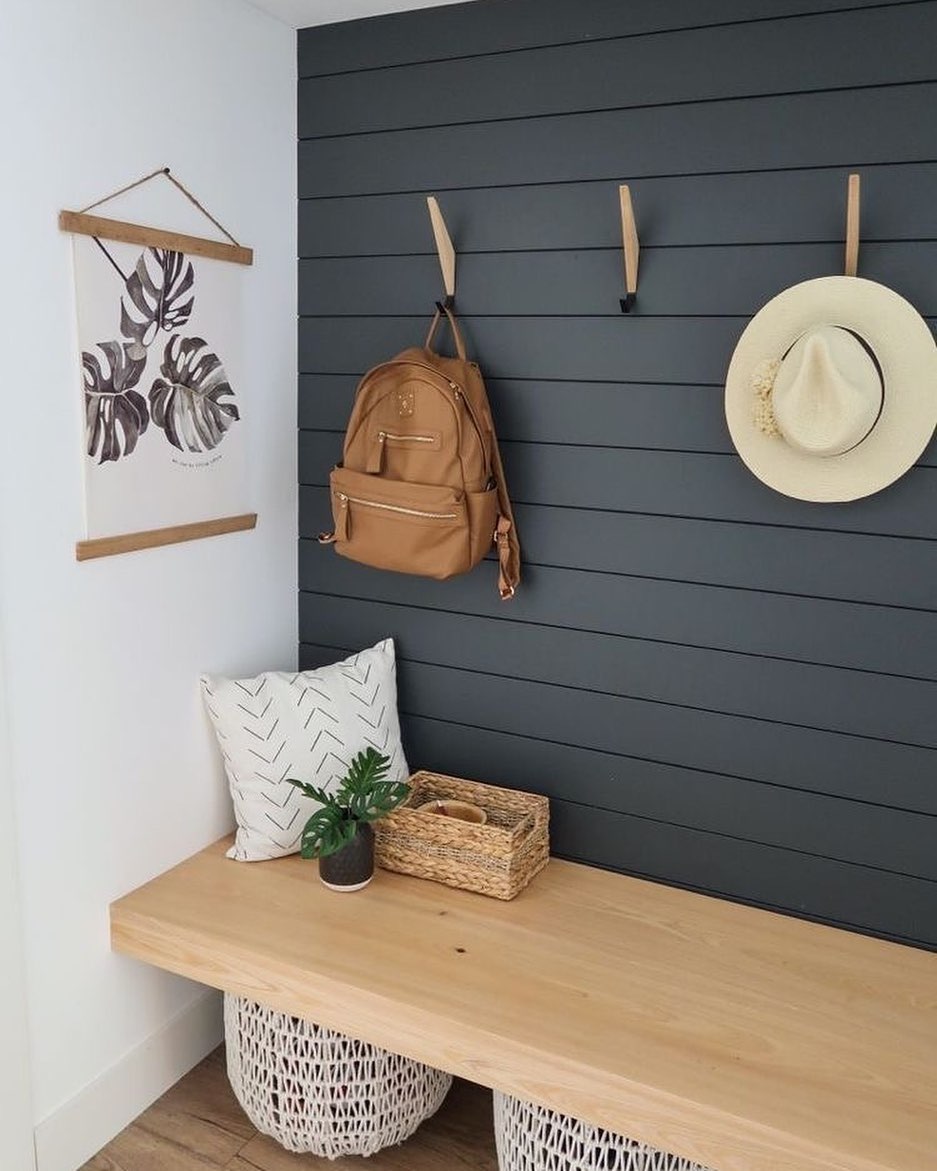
(346, 500)
(383, 435)
(375, 464)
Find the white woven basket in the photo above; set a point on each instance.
(316, 1090)
(533, 1138)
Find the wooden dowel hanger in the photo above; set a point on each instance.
(123, 232)
(632, 249)
(852, 226)
(444, 249)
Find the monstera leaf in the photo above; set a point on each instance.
(186, 401)
(154, 299)
(116, 415)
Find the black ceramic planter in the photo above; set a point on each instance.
(351, 867)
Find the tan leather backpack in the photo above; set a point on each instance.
(420, 488)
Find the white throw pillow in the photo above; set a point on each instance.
(307, 725)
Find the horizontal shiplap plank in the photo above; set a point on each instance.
(779, 754)
(689, 65)
(691, 351)
(674, 418)
(844, 128)
(870, 901)
(838, 828)
(491, 26)
(746, 208)
(633, 348)
(688, 418)
(675, 282)
(778, 626)
(672, 483)
(851, 567)
(620, 348)
(857, 703)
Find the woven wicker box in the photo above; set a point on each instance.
(498, 858)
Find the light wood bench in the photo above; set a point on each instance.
(744, 1040)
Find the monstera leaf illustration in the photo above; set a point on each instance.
(116, 414)
(186, 401)
(155, 297)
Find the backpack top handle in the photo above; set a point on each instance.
(441, 309)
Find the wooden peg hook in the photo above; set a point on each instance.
(443, 248)
(852, 226)
(629, 236)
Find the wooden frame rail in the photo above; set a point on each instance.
(127, 233)
(154, 538)
(741, 1039)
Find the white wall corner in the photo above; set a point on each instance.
(75, 1132)
(16, 1111)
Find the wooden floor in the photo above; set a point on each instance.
(198, 1126)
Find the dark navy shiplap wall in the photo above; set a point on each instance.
(718, 687)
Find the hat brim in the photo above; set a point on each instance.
(907, 354)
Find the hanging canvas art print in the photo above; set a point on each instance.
(165, 403)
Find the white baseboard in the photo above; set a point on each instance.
(78, 1130)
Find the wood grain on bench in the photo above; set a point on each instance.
(739, 1038)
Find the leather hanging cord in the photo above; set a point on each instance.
(172, 179)
(456, 332)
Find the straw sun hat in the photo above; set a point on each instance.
(832, 390)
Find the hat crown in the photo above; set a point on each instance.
(828, 392)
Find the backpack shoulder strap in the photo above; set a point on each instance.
(505, 534)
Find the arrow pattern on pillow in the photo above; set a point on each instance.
(359, 678)
(306, 725)
(267, 743)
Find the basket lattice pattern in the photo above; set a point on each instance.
(318, 1091)
(533, 1138)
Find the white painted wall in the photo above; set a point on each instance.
(16, 1132)
(114, 772)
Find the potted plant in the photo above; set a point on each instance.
(339, 834)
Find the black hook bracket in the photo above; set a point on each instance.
(627, 302)
(447, 302)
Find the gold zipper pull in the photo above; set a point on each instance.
(341, 521)
(375, 462)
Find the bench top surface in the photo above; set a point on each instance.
(744, 1040)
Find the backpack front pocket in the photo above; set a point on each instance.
(409, 528)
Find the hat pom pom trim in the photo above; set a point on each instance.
(762, 384)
